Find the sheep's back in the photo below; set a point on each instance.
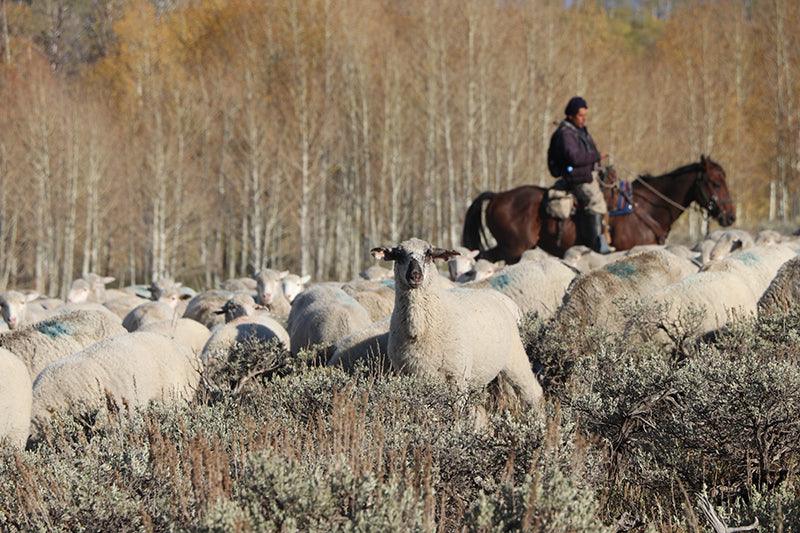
(203, 307)
(15, 399)
(783, 293)
(324, 315)
(39, 344)
(261, 327)
(183, 331)
(132, 367)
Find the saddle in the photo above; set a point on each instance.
(562, 204)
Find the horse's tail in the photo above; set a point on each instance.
(473, 226)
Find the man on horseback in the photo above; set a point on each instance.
(573, 156)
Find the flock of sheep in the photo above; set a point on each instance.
(139, 344)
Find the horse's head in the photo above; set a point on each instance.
(711, 192)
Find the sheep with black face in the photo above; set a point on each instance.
(463, 336)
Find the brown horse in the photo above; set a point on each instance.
(518, 221)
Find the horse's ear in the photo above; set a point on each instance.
(703, 159)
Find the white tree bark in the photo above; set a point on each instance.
(301, 97)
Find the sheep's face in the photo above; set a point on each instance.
(481, 270)
(170, 298)
(268, 285)
(12, 305)
(413, 262)
(97, 286)
(165, 290)
(237, 307)
(79, 292)
(461, 264)
(293, 285)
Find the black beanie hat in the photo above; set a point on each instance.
(574, 105)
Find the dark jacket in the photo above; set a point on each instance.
(570, 146)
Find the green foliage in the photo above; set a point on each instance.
(630, 436)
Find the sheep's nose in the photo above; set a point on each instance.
(414, 274)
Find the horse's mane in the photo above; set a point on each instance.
(691, 167)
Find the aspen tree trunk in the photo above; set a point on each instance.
(394, 161)
(301, 106)
(207, 249)
(40, 159)
(91, 237)
(176, 209)
(710, 104)
(205, 258)
(254, 168)
(4, 28)
(784, 85)
(132, 259)
(384, 181)
(431, 221)
(244, 251)
(468, 186)
(452, 218)
(10, 258)
(7, 227)
(353, 171)
(72, 208)
(532, 161)
(369, 204)
(484, 110)
(160, 200)
(322, 259)
(547, 90)
(513, 133)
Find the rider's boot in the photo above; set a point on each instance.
(596, 237)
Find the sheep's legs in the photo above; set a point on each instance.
(522, 378)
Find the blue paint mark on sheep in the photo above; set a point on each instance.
(345, 298)
(621, 269)
(747, 258)
(499, 282)
(388, 283)
(54, 329)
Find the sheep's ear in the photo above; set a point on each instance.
(31, 296)
(219, 312)
(282, 274)
(441, 253)
(305, 279)
(108, 279)
(385, 254)
(473, 253)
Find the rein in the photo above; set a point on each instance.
(661, 195)
(709, 201)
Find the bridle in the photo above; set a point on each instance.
(711, 202)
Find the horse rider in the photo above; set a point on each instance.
(572, 155)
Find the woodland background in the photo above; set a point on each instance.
(194, 138)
